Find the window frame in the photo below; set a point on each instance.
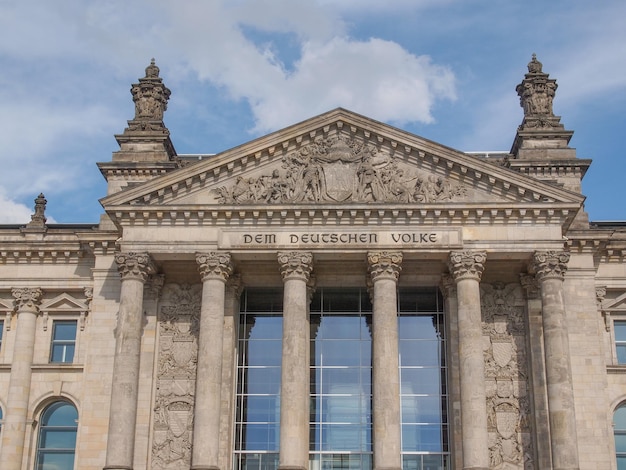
(41, 428)
(64, 343)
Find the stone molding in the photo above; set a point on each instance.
(467, 264)
(384, 265)
(295, 265)
(550, 264)
(214, 265)
(133, 265)
(27, 299)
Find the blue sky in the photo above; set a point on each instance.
(443, 69)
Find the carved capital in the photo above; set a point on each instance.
(214, 265)
(550, 264)
(295, 264)
(467, 264)
(234, 286)
(133, 265)
(27, 299)
(384, 265)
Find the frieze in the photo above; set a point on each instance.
(424, 238)
(336, 170)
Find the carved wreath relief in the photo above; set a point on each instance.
(337, 170)
(506, 377)
(176, 376)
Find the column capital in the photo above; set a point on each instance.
(448, 286)
(530, 285)
(135, 265)
(384, 264)
(467, 264)
(27, 298)
(295, 264)
(549, 264)
(214, 265)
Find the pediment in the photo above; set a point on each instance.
(341, 159)
(63, 303)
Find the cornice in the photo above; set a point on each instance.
(440, 214)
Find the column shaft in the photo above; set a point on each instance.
(134, 269)
(215, 268)
(550, 270)
(14, 426)
(384, 268)
(294, 389)
(467, 268)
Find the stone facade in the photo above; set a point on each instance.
(534, 294)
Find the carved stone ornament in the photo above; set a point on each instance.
(467, 264)
(133, 265)
(384, 264)
(27, 298)
(536, 94)
(336, 170)
(214, 265)
(176, 376)
(295, 264)
(150, 95)
(550, 264)
(506, 377)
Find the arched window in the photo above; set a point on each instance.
(56, 445)
(619, 431)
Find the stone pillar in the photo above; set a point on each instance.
(384, 269)
(215, 269)
(466, 267)
(550, 268)
(14, 426)
(295, 268)
(134, 269)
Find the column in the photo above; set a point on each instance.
(550, 268)
(14, 426)
(384, 269)
(134, 269)
(295, 268)
(466, 267)
(215, 269)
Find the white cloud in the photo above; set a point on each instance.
(12, 212)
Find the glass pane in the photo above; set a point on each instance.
(259, 436)
(341, 380)
(264, 353)
(57, 439)
(418, 300)
(425, 380)
(620, 443)
(55, 461)
(619, 418)
(262, 300)
(262, 409)
(421, 409)
(262, 380)
(621, 353)
(621, 463)
(419, 353)
(422, 438)
(433, 462)
(64, 331)
(60, 414)
(338, 353)
(620, 330)
(265, 327)
(340, 327)
(418, 327)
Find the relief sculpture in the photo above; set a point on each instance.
(338, 170)
(506, 377)
(176, 376)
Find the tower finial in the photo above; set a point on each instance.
(38, 219)
(150, 95)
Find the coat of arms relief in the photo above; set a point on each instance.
(176, 376)
(506, 377)
(336, 170)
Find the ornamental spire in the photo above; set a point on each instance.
(541, 134)
(150, 95)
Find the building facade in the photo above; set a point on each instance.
(339, 294)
